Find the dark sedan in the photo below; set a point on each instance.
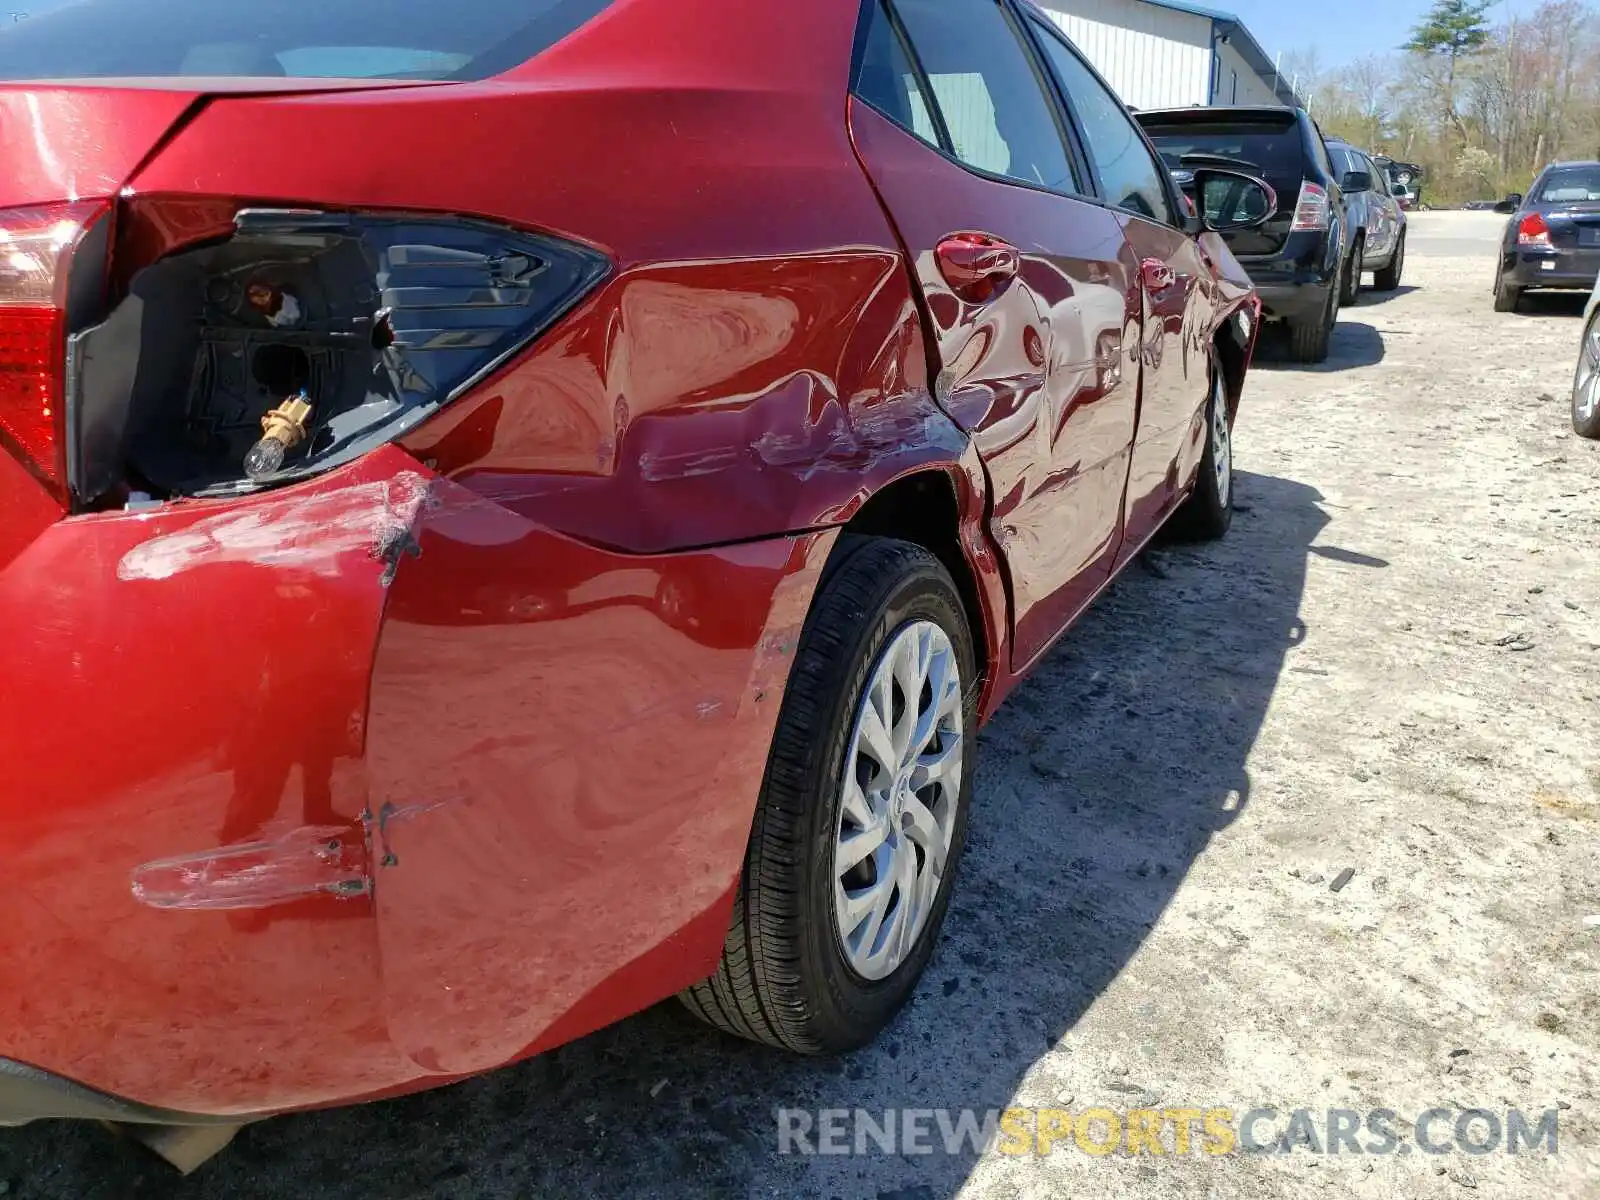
(1553, 237)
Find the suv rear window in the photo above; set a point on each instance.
(1266, 148)
(359, 39)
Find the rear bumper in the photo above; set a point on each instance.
(1294, 301)
(1567, 270)
(1294, 284)
(363, 786)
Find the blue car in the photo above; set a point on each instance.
(1553, 237)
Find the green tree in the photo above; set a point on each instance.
(1452, 31)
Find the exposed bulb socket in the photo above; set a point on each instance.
(282, 429)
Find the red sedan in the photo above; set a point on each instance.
(513, 511)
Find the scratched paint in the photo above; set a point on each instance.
(311, 861)
(309, 533)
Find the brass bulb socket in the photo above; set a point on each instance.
(286, 424)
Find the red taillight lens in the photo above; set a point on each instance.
(36, 247)
(1534, 231)
(1313, 213)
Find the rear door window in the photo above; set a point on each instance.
(1130, 177)
(993, 104)
(887, 80)
(400, 39)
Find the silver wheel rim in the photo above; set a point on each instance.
(1221, 445)
(902, 790)
(1586, 388)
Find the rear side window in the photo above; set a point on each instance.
(999, 117)
(359, 39)
(1380, 181)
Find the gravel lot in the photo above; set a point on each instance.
(1392, 666)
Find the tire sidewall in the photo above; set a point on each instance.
(1350, 282)
(1591, 428)
(1208, 515)
(853, 1009)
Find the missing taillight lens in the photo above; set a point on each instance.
(36, 246)
(303, 340)
(1533, 231)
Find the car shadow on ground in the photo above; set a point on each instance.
(1371, 297)
(1553, 304)
(1354, 344)
(1100, 784)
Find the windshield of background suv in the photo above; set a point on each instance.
(1569, 185)
(1270, 149)
(358, 39)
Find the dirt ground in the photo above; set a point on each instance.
(1391, 666)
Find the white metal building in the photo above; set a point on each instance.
(1171, 54)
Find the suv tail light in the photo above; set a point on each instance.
(1533, 231)
(1313, 213)
(36, 246)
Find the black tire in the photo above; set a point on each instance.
(1207, 515)
(1310, 337)
(1388, 279)
(784, 978)
(1507, 296)
(1350, 284)
(1587, 424)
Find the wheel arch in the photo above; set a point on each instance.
(943, 509)
(1231, 351)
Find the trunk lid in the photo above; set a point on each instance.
(1575, 226)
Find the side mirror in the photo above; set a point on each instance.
(1510, 204)
(1356, 181)
(1231, 200)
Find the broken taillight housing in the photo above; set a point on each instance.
(36, 246)
(301, 340)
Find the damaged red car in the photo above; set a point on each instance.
(511, 512)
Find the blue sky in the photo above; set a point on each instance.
(1342, 30)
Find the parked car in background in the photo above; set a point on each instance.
(1586, 383)
(1553, 237)
(1301, 259)
(1377, 222)
(1405, 181)
(433, 637)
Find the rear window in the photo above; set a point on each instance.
(306, 39)
(1569, 185)
(1267, 149)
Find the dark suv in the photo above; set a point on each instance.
(1298, 260)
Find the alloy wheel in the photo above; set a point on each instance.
(902, 788)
